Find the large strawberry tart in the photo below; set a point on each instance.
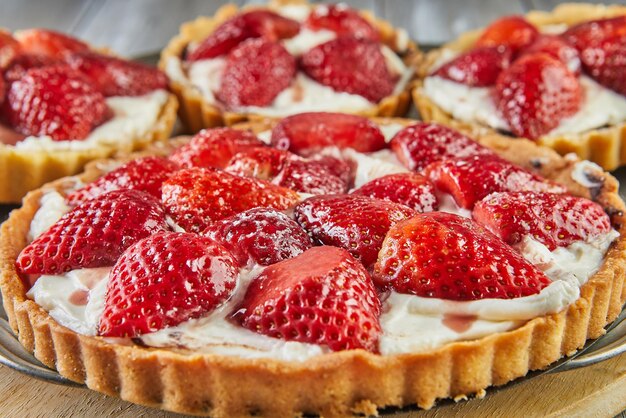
(63, 104)
(325, 263)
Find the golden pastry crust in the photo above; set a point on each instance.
(334, 384)
(605, 146)
(196, 113)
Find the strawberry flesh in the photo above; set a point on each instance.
(514, 32)
(48, 42)
(343, 20)
(409, 189)
(306, 176)
(261, 162)
(478, 67)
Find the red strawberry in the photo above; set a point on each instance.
(309, 177)
(552, 219)
(512, 31)
(557, 48)
(54, 101)
(9, 49)
(145, 174)
(420, 144)
(263, 236)
(197, 197)
(7, 135)
(350, 65)
(164, 280)
(117, 77)
(409, 189)
(342, 20)
(445, 256)
(605, 62)
(49, 42)
(470, 179)
(338, 167)
(256, 72)
(323, 296)
(590, 33)
(3, 90)
(535, 93)
(307, 133)
(93, 234)
(477, 67)
(261, 162)
(24, 62)
(355, 223)
(214, 147)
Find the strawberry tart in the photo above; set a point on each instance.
(288, 57)
(353, 263)
(63, 104)
(553, 77)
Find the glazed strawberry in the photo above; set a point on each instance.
(536, 93)
(54, 101)
(470, 179)
(512, 31)
(117, 77)
(24, 62)
(164, 280)
(214, 147)
(323, 296)
(309, 177)
(350, 65)
(256, 72)
(94, 234)
(197, 197)
(48, 42)
(355, 223)
(445, 256)
(260, 236)
(555, 220)
(422, 143)
(409, 189)
(342, 20)
(9, 49)
(144, 174)
(590, 33)
(307, 133)
(477, 67)
(558, 48)
(344, 169)
(605, 62)
(261, 162)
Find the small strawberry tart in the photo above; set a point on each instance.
(324, 263)
(553, 77)
(288, 57)
(63, 104)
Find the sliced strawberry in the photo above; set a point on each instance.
(307, 133)
(145, 174)
(94, 234)
(409, 189)
(445, 256)
(355, 223)
(553, 219)
(309, 177)
(49, 42)
(256, 72)
(344, 169)
(470, 179)
(214, 147)
(164, 280)
(420, 144)
(24, 62)
(556, 47)
(343, 20)
(350, 65)
(9, 49)
(323, 296)
(197, 197)
(117, 77)
(591, 32)
(7, 135)
(220, 42)
(536, 93)
(605, 62)
(477, 67)
(54, 101)
(512, 31)
(261, 162)
(260, 236)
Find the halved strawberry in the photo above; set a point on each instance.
(261, 162)
(536, 93)
(260, 236)
(555, 220)
(556, 47)
(256, 72)
(344, 169)
(145, 174)
(197, 197)
(93, 234)
(355, 223)
(512, 31)
(591, 32)
(323, 296)
(117, 77)
(307, 133)
(478, 67)
(605, 62)
(9, 49)
(422, 143)
(409, 189)
(54, 101)
(214, 147)
(350, 65)
(164, 280)
(343, 20)
(445, 256)
(49, 42)
(472, 178)
(308, 176)
(24, 62)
